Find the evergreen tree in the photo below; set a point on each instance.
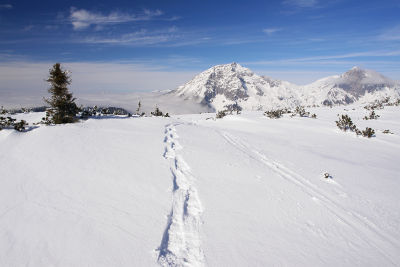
(63, 108)
(157, 112)
(138, 108)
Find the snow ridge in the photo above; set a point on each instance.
(367, 231)
(181, 244)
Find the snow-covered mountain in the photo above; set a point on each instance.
(354, 85)
(231, 84)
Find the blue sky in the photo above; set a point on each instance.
(296, 40)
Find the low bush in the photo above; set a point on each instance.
(11, 123)
(274, 114)
(345, 123)
(20, 126)
(220, 114)
(371, 116)
(368, 132)
(301, 112)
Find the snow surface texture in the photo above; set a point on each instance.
(224, 85)
(181, 245)
(244, 190)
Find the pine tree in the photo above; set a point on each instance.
(138, 108)
(157, 112)
(63, 108)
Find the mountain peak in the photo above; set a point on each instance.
(355, 74)
(230, 66)
(363, 76)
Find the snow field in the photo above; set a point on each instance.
(187, 191)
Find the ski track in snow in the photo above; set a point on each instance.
(181, 244)
(367, 231)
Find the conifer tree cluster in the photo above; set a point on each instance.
(220, 114)
(62, 104)
(274, 114)
(158, 113)
(372, 116)
(299, 111)
(345, 123)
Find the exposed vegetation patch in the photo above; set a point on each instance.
(345, 123)
(299, 111)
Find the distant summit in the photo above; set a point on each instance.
(232, 84)
(351, 86)
(222, 86)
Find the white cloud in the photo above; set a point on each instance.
(174, 18)
(6, 6)
(82, 18)
(270, 31)
(152, 13)
(301, 3)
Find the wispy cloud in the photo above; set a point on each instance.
(301, 3)
(6, 6)
(392, 34)
(173, 18)
(270, 31)
(325, 58)
(27, 28)
(138, 38)
(51, 27)
(82, 18)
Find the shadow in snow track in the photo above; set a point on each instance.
(181, 244)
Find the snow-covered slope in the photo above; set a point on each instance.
(224, 85)
(190, 191)
(353, 85)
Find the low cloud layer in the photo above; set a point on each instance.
(23, 83)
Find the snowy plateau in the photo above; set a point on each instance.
(192, 190)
